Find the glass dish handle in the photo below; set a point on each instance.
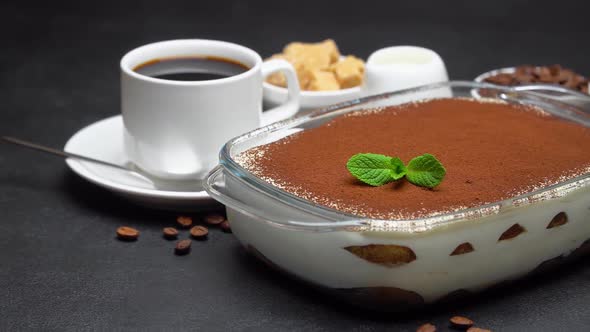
(214, 184)
(564, 95)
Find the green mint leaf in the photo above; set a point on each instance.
(375, 169)
(399, 169)
(425, 171)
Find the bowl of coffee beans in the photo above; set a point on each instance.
(530, 74)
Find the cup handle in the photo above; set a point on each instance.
(291, 106)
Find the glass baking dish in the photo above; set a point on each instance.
(399, 264)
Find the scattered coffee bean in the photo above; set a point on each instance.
(127, 233)
(214, 219)
(426, 328)
(477, 329)
(170, 233)
(462, 323)
(184, 222)
(225, 226)
(183, 247)
(199, 232)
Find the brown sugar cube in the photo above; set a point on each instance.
(331, 48)
(310, 56)
(355, 61)
(314, 58)
(323, 81)
(277, 78)
(304, 80)
(305, 77)
(295, 48)
(299, 66)
(349, 72)
(327, 47)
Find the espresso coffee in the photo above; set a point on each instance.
(195, 68)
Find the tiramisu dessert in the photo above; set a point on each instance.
(490, 150)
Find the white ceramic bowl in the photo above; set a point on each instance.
(481, 78)
(276, 95)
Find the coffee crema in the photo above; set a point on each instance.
(191, 68)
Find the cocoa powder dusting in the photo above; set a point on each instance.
(491, 151)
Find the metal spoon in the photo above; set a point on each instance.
(65, 154)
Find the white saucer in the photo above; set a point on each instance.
(104, 140)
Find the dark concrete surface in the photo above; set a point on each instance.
(60, 265)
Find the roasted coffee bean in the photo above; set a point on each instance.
(184, 222)
(461, 323)
(546, 79)
(502, 79)
(524, 78)
(477, 329)
(199, 232)
(570, 83)
(127, 233)
(214, 219)
(525, 70)
(554, 69)
(225, 226)
(170, 233)
(542, 71)
(183, 247)
(579, 79)
(426, 328)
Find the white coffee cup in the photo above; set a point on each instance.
(402, 67)
(175, 129)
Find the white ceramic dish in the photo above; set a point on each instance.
(481, 78)
(316, 243)
(275, 95)
(104, 140)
